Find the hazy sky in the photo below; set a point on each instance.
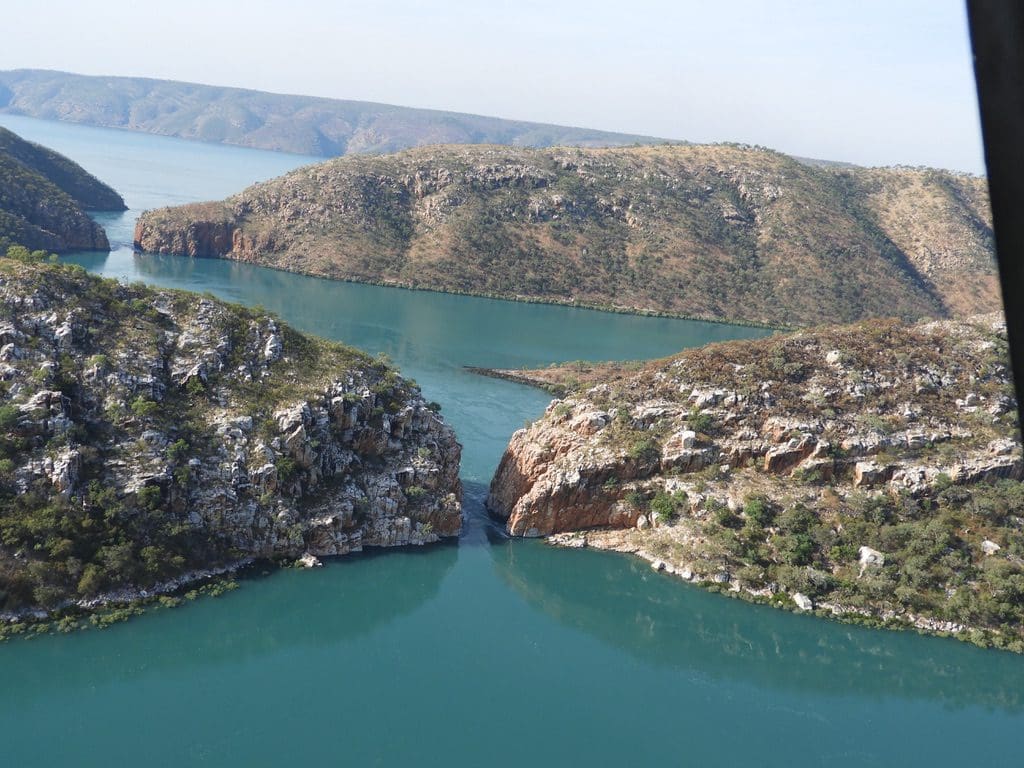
(868, 81)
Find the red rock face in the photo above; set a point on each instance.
(595, 457)
(212, 239)
(545, 484)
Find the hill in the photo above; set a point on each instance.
(149, 438)
(719, 232)
(870, 472)
(44, 197)
(285, 123)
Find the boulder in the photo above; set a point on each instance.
(803, 602)
(867, 474)
(309, 561)
(869, 558)
(989, 547)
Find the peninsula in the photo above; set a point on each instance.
(720, 232)
(869, 472)
(150, 438)
(304, 125)
(44, 198)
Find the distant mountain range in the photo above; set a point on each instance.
(722, 232)
(301, 124)
(44, 197)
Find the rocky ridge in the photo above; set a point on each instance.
(869, 471)
(718, 232)
(152, 437)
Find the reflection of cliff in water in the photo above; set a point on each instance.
(663, 621)
(351, 596)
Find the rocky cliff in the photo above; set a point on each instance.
(149, 437)
(44, 197)
(869, 471)
(715, 232)
(285, 123)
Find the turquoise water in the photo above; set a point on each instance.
(480, 652)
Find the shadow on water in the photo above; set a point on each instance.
(339, 602)
(478, 527)
(658, 619)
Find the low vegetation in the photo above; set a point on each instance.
(870, 472)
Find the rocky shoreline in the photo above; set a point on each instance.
(150, 437)
(869, 471)
(127, 596)
(614, 541)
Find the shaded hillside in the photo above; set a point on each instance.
(88, 191)
(719, 232)
(301, 124)
(44, 197)
(870, 471)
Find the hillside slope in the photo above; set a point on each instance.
(149, 437)
(302, 124)
(869, 471)
(44, 197)
(717, 232)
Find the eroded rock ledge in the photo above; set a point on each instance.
(151, 434)
(871, 469)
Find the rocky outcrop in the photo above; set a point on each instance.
(571, 469)
(722, 232)
(156, 433)
(44, 197)
(211, 236)
(811, 470)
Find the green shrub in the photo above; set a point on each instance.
(645, 450)
(178, 450)
(666, 506)
(9, 415)
(724, 516)
(637, 500)
(149, 497)
(700, 422)
(91, 581)
(796, 549)
(759, 510)
(286, 468)
(195, 387)
(144, 408)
